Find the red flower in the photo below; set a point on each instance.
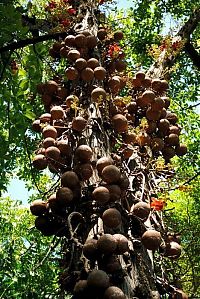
(114, 50)
(71, 11)
(65, 22)
(52, 5)
(157, 204)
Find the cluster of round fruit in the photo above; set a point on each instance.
(145, 120)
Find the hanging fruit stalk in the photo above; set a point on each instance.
(104, 146)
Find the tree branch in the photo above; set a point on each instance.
(193, 54)
(30, 41)
(161, 67)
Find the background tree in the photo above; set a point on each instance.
(21, 82)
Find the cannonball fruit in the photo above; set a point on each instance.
(90, 249)
(120, 123)
(141, 210)
(79, 123)
(98, 279)
(151, 239)
(103, 162)
(111, 218)
(122, 243)
(101, 195)
(98, 94)
(107, 244)
(64, 196)
(83, 153)
(179, 294)
(69, 179)
(111, 174)
(38, 207)
(40, 162)
(114, 292)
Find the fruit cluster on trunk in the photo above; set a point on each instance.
(103, 146)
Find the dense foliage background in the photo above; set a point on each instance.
(145, 24)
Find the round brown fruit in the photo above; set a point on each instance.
(57, 112)
(111, 264)
(172, 139)
(163, 125)
(157, 144)
(64, 147)
(156, 84)
(120, 123)
(118, 35)
(172, 250)
(71, 73)
(101, 34)
(80, 40)
(48, 142)
(80, 288)
(85, 171)
(62, 93)
(141, 210)
(83, 153)
(101, 195)
(107, 244)
(175, 130)
(129, 138)
(69, 179)
(87, 74)
(122, 243)
(150, 127)
(140, 75)
(80, 64)
(71, 99)
(79, 123)
(98, 279)
(158, 104)
(40, 162)
(168, 152)
(98, 94)
(111, 218)
(181, 150)
(123, 182)
(52, 152)
(92, 63)
(91, 41)
(172, 117)
(103, 162)
(64, 51)
(153, 114)
(179, 294)
(114, 84)
(111, 174)
(38, 207)
(70, 41)
(51, 87)
(120, 65)
(164, 86)
(167, 102)
(114, 292)
(132, 107)
(45, 118)
(99, 73)
(90, 250)
(151, 239)
(73, 55)
(148, 96)
(64, 195)
(146, 83)
(36, 126)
